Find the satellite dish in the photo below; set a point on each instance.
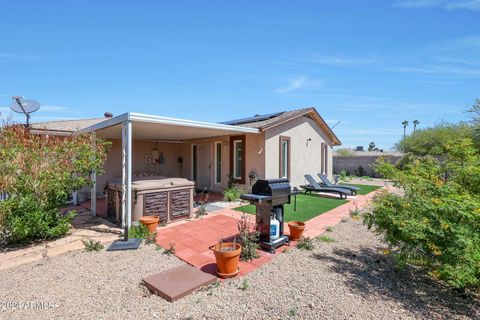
(25, 106)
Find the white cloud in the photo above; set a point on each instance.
(298, 83)
(473, 5)
(338, 60)
(19, 56)
(445, 70)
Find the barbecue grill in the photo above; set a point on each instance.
(269, 197)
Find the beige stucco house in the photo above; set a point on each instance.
(284, 144)
(213, 155)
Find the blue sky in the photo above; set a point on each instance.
(369, 64)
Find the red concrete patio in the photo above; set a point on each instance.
(193, 239)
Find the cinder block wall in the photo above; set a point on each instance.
(351, 164)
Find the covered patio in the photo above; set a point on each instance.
(131, 130)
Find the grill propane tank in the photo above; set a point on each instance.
(274, 228)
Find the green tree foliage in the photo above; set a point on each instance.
(434, 140)
(39, 172)
(474, 111)
(344, 152)
(436, 222)
(371, 146)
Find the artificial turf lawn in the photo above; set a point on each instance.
(364, 189)
(308, 206)
(311, 205)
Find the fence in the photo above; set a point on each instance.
(359, 165)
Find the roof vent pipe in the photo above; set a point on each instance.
(108, 115)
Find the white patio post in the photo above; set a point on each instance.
(127, 173)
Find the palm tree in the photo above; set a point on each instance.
(415, 124)
(405, 124)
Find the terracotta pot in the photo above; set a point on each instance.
(151, 222)
(296, 229)
(227, 261)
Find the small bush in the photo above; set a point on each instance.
(248, 238)
(329, 229)
(92, 245)
(24, 220)
(232, 194)
(305, 243)
(138, 231)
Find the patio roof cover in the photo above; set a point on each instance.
(130, 126)
(150, 127)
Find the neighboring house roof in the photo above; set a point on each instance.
(265, 122)
(66, 126)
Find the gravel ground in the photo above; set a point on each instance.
(346, 279)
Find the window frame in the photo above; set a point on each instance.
(218, 164)
(233, 162)
(324, 159)
(281, 163)
(194, 161)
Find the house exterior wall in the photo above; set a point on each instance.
(305, 158)
(254, 158)
(262, 155)
(188, 164)
(113, 165)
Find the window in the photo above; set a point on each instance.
(324, 159)
(194, 162)
(284, 157)
(218, 162)
(237, 158)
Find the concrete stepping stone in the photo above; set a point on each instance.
(178, 282)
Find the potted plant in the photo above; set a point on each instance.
(227, 255)
(151, 222)
(296, 229)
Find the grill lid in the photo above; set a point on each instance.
(271, 187)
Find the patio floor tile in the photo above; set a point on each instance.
(193, 238)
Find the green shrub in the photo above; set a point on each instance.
(232, 194)
(39, 172)
(25, 220)
(93, 245)
(138, 231)
(436, 223)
